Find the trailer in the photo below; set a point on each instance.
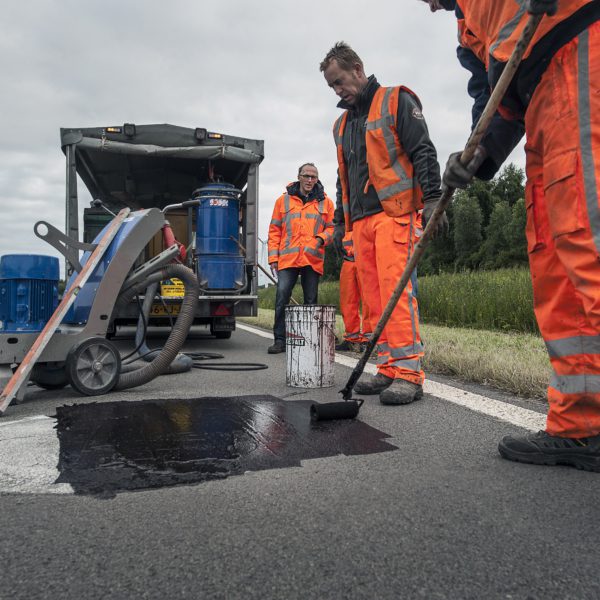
(158, 166)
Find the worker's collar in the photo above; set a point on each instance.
(317, 193)
(363, 101)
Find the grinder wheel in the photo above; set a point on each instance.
(93, 366)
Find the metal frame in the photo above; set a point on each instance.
(247, 151)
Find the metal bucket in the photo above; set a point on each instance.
(310, 345)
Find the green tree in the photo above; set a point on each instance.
(440, 255)
(486, 229)
(509, 185)
(483, 193)
(514, 232)
(495, 245)
(467, 230)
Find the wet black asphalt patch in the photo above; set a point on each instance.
(111, 447)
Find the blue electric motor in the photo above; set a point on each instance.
(220, 265)
(28, 291)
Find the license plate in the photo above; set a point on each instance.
(161, 310)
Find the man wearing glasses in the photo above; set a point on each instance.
(301, 227)
(387, 171)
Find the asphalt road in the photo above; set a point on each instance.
(436, 514)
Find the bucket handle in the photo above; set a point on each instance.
(330, 327)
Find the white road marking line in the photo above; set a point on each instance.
(28, 457)
(24, 419)
(259, 332)
(522, 417)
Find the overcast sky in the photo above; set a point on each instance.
(244, 68)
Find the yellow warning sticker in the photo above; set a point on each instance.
(172, 288)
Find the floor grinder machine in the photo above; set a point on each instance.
(73, 348)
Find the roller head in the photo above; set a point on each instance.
(335, 410)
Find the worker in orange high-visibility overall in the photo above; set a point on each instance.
(387, 171)
(351, 302)
(301, 226)
(555, 98)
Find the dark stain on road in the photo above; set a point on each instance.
(111, 447)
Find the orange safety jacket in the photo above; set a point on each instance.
(391, 172)
(294, 229)
(497, 25)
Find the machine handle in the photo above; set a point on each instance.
(185, 204)
(189, 203)
(67, 246)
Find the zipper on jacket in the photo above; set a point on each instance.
(356, 130)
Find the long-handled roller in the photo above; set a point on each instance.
(342, 410)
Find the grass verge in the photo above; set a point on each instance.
(512, 362)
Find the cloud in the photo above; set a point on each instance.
(245, 68)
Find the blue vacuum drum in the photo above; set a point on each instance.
(220, 265)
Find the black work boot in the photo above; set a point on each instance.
(374, 385)
(541, 448)
(401, 392)
(277, 348)
(345, 346)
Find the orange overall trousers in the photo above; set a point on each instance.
(350, 304)
(382, 247)
(350, 297)
(563, 230)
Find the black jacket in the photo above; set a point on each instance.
(414, 137)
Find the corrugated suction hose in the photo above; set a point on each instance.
(180, 329)
(181, 363)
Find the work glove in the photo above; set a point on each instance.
(319, 243)
(274, 269)
(540, 7)
(428, 207)
(338, 241)
(458, 175)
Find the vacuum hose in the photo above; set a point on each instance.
(179, 331)
(181, 363)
